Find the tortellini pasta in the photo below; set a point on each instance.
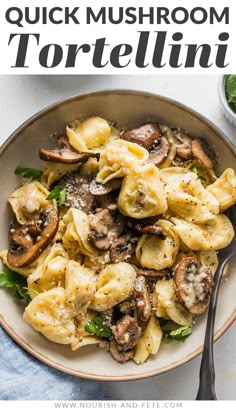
(29, 200)
(51, 273)
(50, 314)
(153, 252)
(150, 341)
(83, 340)
(80, 287)
(82, 337)
(224, 189)
(142, 194)
(208, 259)
(187, 197)
(215, 234)
(89, 168)
(167, 306)
(91, 134)
(97, 262)
(64, 320)
(55, 171)
(119, 158)
(115, 283)
(76, 229)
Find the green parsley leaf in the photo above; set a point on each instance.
(97, 326)
(17, 282)
(195, 170)
(27, 172)
(58, 194)
(7, 278)
(202, 178)
(179, 334)
(230, 88)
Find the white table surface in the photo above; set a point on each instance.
(22, 96)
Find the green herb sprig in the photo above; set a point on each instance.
(230, 88)
(59, 194)
(179, 334)
(98, 327)
(27, 172)
(13, 280)
(195, 170)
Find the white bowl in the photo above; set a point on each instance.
(127, 108)
(229, 114)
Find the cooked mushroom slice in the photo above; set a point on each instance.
(64, 155)
(99, 189)
(118, 354)
(63, 142)
(77, 192)
(142, 299)
(123, 248)
(202, 150)
(105, 227)
(127, 307)
(136, 226)
(151, 276)
(108, 201)
(27, 241)
(184, 152)
(159, 151)
(193, 284)
(108, 317)
(153, 230)
(184, 145)
(113, 315)
(127, 332)
(153, 273)
(142, 228)
(145, 135)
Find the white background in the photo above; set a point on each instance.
(22, 96)
(115, 34)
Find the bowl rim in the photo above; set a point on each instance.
(28, 347)
(144, 93)
(223, 99)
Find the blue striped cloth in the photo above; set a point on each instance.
(23, 377)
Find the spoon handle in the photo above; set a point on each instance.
(206, 389)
